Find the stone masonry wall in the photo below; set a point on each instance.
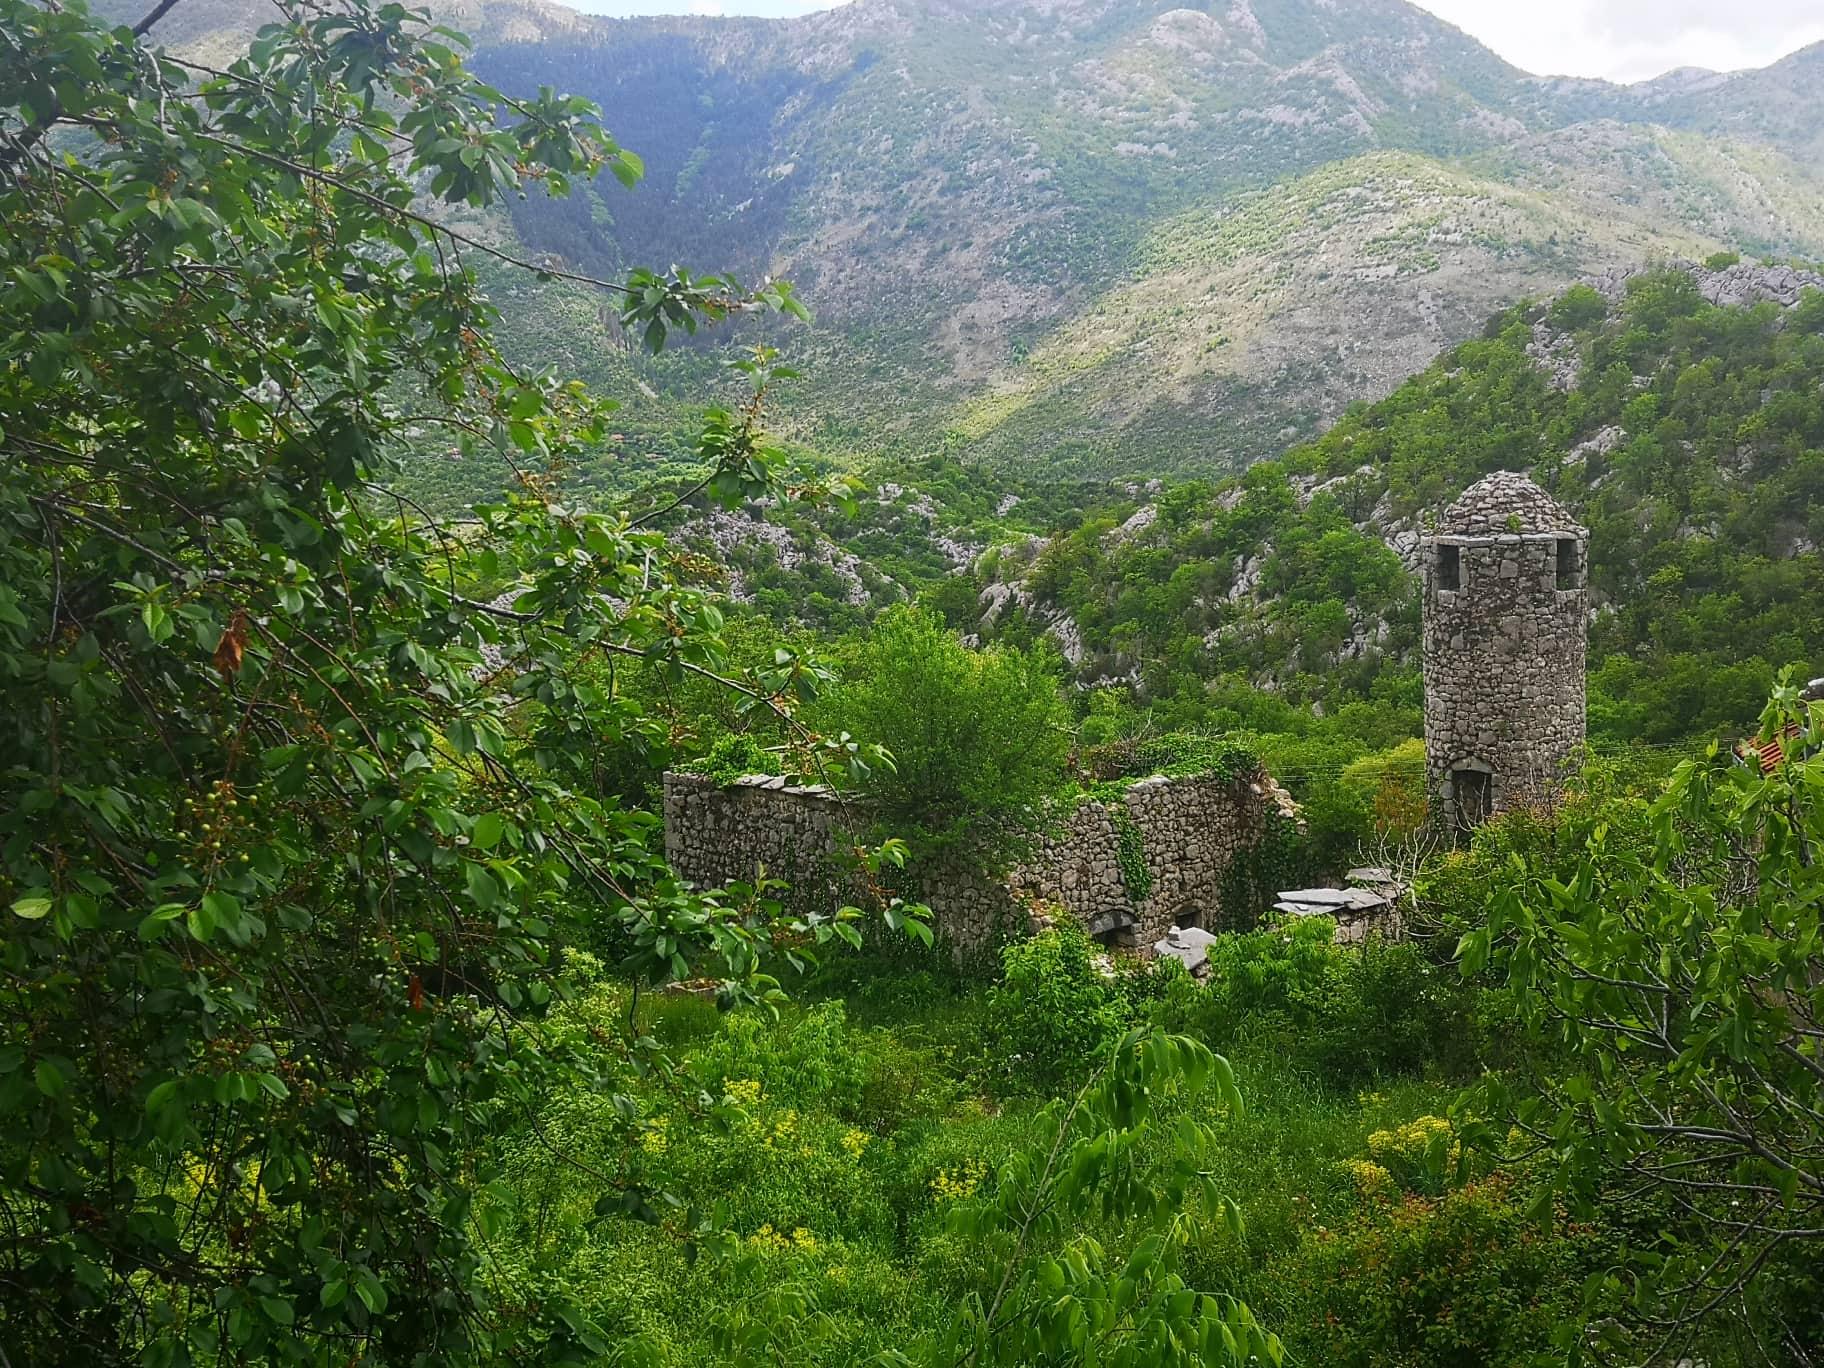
(1189, 830)
(716, 836)
(1504, 664)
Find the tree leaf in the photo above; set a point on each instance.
(32, 908)
(50, 1079)
(482, 886)
(488, 829)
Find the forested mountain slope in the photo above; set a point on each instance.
(1118, 237)
(1689, 436)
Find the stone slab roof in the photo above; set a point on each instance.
(1305, 902)
(1507, 503)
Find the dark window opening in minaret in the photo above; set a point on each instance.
(1570, 573)
(1450, 568)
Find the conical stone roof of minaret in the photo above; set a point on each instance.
(1507, 504)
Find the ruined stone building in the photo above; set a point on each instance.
(1129, 870)
(1506, 621)
(1506, 614)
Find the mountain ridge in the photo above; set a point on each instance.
(966, 193)
(1112, 238)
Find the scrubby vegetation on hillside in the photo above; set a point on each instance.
(1425, 1169)
(1686, 435)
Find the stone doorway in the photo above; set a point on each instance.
(1472, 796)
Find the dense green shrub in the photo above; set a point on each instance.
(1581, 306)
(839, 1236)
(978, 738)
(1367, 1248)
(810, 1057)
(1109, 718)
(1472, 1277)
(1054, 1010)
(1452, 890)
(1351, 1014)
(1674, 985)
(1392, 783)
(1339, 822)
(731, 757)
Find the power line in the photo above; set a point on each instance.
(1332, 770)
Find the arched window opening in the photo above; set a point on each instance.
(1115, 930)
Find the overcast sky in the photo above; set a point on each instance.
(1623, 40)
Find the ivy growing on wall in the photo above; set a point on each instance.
(1257, 874)
(1279, 860)
(1130, 853)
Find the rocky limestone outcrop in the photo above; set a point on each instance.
(726, 530)
(1746, 282)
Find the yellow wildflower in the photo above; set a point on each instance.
(1410, 1140)
(742, 1092)
(656, 1138)
(955, 1187)
(780, 1131)
(855, 1141)
(778, 1242)
(1370, 1177)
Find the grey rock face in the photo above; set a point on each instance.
(1506, 614)
(1745, 282)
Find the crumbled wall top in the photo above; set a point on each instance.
(1507, 503)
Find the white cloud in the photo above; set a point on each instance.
(1632, 40)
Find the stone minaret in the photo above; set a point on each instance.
(1506, 625)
